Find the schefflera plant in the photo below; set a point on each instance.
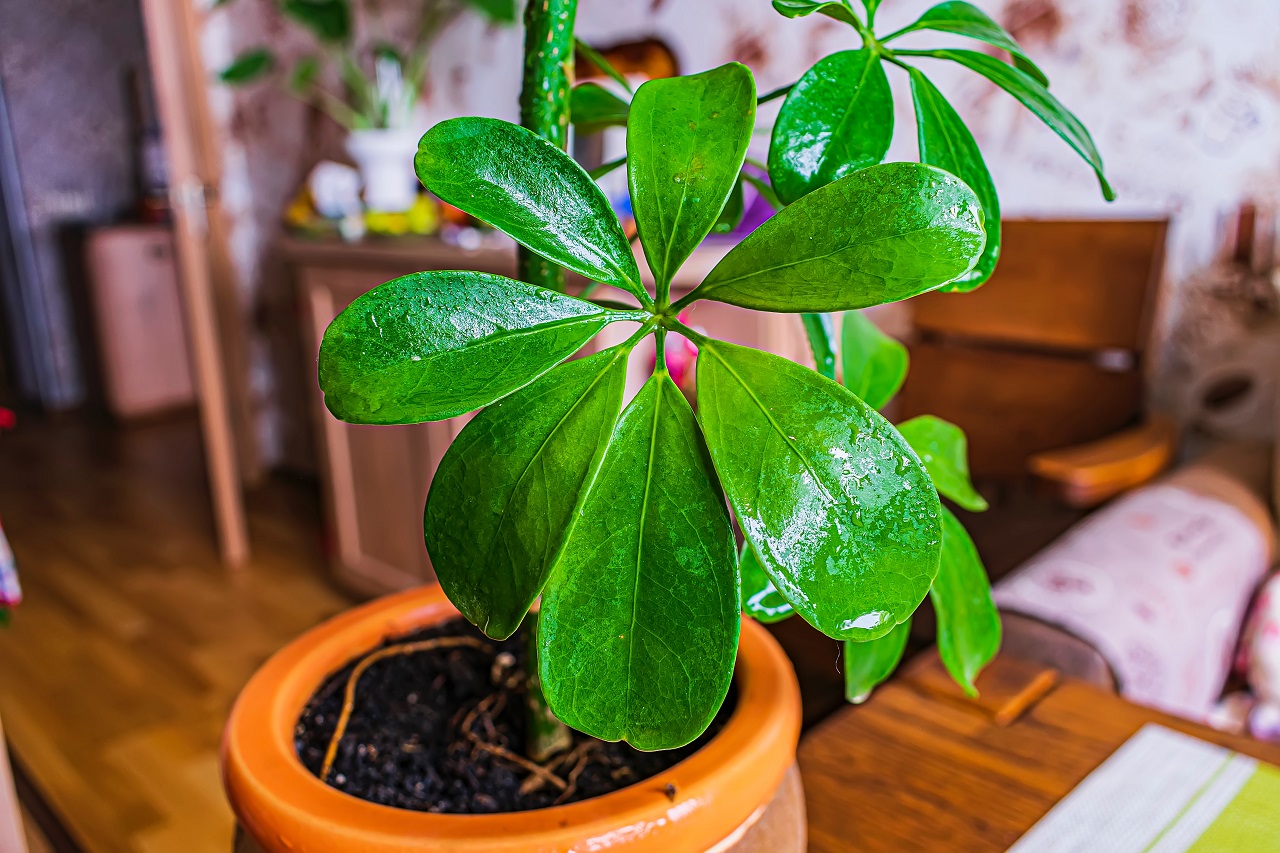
(618, 517)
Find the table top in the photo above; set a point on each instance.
(922, 767)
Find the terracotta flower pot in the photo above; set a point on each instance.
(741, 791)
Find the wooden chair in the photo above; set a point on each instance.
(1045, 366)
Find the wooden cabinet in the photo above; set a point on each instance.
(375, 478)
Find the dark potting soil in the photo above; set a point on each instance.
(428, 732)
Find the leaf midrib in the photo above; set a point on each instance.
(644, 514)
(506, 509)
(870, 59)
(714, 285)
(773, 423)
(498, 336)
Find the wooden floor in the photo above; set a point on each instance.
(118, 670)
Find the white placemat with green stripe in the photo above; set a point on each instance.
(1165, 792)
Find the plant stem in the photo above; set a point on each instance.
(780, 92)
(545, 736)
(821, 333)
(544, 109)
(544, 102)
(605, 168)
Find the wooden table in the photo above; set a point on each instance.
(921, 767)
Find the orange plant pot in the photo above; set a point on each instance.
(732, 789)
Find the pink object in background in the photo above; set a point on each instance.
(1158, 582)
(141, 332)
(1262, 649)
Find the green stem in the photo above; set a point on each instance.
(544, 102)
(605, 168)
(546, 736)
(780, 92)
(660, 355)
(821, 333)
(544, 109)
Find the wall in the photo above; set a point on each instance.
(1182, 96)
(63, 66)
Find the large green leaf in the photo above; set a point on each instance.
(944, 450)
(838, 119)
(760, 598)
(867, 665)
(433, 345)
(1035, 98)
(836, 505)
(873, 363)
(686, 141)
(248, 67)
(328, 20)
(882, 234)
(946, 142)
(592, 108)
(965, 19)
(503, 498)
(639, 624)
(968, 622)
(530, 189)
(802, 8)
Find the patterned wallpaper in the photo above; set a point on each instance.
(1182, 96)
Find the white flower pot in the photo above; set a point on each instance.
(385, 160)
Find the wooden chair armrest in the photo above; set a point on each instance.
(1088, 474)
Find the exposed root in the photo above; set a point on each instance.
(583, 752)
(349, 700)
(487, 708)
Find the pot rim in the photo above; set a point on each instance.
(286, 808)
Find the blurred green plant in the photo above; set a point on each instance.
(380, 78)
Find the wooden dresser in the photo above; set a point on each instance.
(375, 478)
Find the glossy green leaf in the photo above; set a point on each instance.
(965, 19)
(946, 142)
(803, 8)
(686, 142)
(528, 188)
(882, 234)
(639, 625)
(867, 665)
(593, 108)
(734, 209)
(598, 60)
(328, 20)
(968, 622)
(437, 344)
(838, 119)
(836, 505)
(249, 67)
(501, 11)
(1035, 98)
(503, 498)
(760, 598)
(874, 364)
(821, 333)
(944, 449)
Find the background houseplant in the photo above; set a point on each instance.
(379, 60)
(617, 518)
